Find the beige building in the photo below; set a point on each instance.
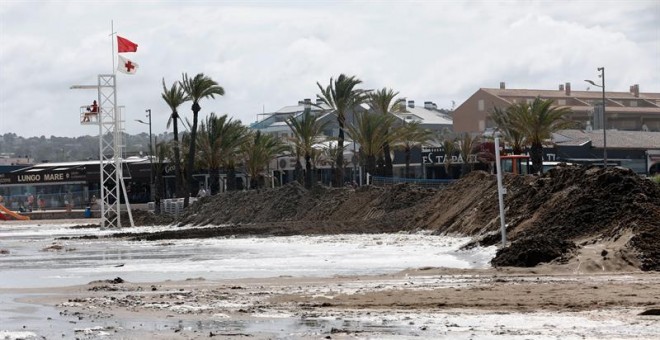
(627, 111)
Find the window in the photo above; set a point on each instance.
(529, 101)
(482, 125)
(630, 125)
(481, 105)
(633, 103)
(561, 102)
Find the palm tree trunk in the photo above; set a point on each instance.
(315, 176)
(231, 178)
(536, 154)
(339, 174)
(215, 181)
(191, 155)
(388, 160)
(407, 171)
(177, 161)
(298, 172)
(517, 149)
(308, 171)
(371, 164)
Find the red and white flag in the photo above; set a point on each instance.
(125, 45)
(126, 66)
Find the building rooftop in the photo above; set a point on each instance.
(597, 94)
(615, 138)
(425, 116)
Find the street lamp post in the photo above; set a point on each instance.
(602, 86)
(151, 152)
(500, 187)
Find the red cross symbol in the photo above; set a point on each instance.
(129, 66)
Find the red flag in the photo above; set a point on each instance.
(125, 45)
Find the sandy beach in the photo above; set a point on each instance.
(418, 303)
(570, 300)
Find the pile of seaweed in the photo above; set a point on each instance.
(549, 217)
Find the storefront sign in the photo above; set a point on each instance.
(438, 156)
(45, 176)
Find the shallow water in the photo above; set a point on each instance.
(82, 261)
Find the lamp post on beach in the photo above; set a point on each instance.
(602, 86)
(501, 191)
(151, 152)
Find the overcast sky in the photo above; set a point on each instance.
(268, 55)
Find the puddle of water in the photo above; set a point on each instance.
(32, 321)
(397, 325)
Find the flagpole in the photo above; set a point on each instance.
(112, 40)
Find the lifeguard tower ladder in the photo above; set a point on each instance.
(109, 120)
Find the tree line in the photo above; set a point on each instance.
(222, 143)
(68, 149)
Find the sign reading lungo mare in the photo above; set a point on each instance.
(44, 176)
(32, 178)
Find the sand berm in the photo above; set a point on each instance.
(601, 219)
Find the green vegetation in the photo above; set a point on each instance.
(218, 144)
(656, 179)
(408, 136)
(196, 89)
(257, 152)
(371, 131)
(307, 131)
(69, 149)
(383, 102)
(342, 97)
(525, 124)
(174, 97)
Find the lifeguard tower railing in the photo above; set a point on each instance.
(110, 124)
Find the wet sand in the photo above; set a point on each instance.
(197, 308)
(584, 298)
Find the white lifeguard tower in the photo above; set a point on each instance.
(109, 120)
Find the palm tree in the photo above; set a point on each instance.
(197, 89)
(342, 96)
(258, 150)
(409, 135)
(218, 141)
(536, 123)
(174, 97)
(330, 154)
(510, 134)
(467, 144)
(382, 102)
(449, 147)
(306, 132)
(371, 131)
(294, 149)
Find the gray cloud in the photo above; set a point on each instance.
(268, 55)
